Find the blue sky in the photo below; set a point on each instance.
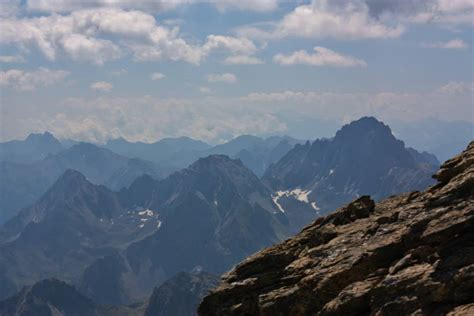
(144, 70)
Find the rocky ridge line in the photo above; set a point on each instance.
(411, 254)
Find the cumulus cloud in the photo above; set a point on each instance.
(9, 59)
(102, 86)
(323, 18)
(157, 76)
(30, 80)
(361, 19)
(242, 60)
(232, 44)
(87, 35)
(452, 44)
(322, 57)
(224, 77)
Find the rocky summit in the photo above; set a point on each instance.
(411, 254)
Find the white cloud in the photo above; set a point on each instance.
(232, 44)
(322, 57)
(242, 60)
(102, 86)
(157, 76)
(451, 44)
(224, 77)
(323, 18)
(91, 35)
(8, 59)
(361, 19)
(30, 80)
(97, 51)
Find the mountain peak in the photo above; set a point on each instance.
(213, 161)
(364, 127)
(68, 184)
(46, 136)
(72, 175)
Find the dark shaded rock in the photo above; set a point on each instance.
(47, 298)
(180, 295)
(411, 254)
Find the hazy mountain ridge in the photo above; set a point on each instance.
(34, 148)
(177, 153)
(22, 184)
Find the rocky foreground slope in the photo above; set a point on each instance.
(411, 254)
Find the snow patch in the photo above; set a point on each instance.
(275, 198)
(314, 206)
(297, 193)
(146, 212)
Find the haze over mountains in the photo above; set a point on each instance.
(115, 228)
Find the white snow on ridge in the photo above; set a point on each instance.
(275, 198)
(313, 205)
(297, 193)
(301, 195)
(146, 212)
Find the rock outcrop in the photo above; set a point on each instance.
(411, 254)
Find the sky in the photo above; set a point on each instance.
(144, 70)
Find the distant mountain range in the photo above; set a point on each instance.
(22, 184)
(29, 167)
(177, 153)
(117, 246)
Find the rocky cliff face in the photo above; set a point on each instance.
(411, 254)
